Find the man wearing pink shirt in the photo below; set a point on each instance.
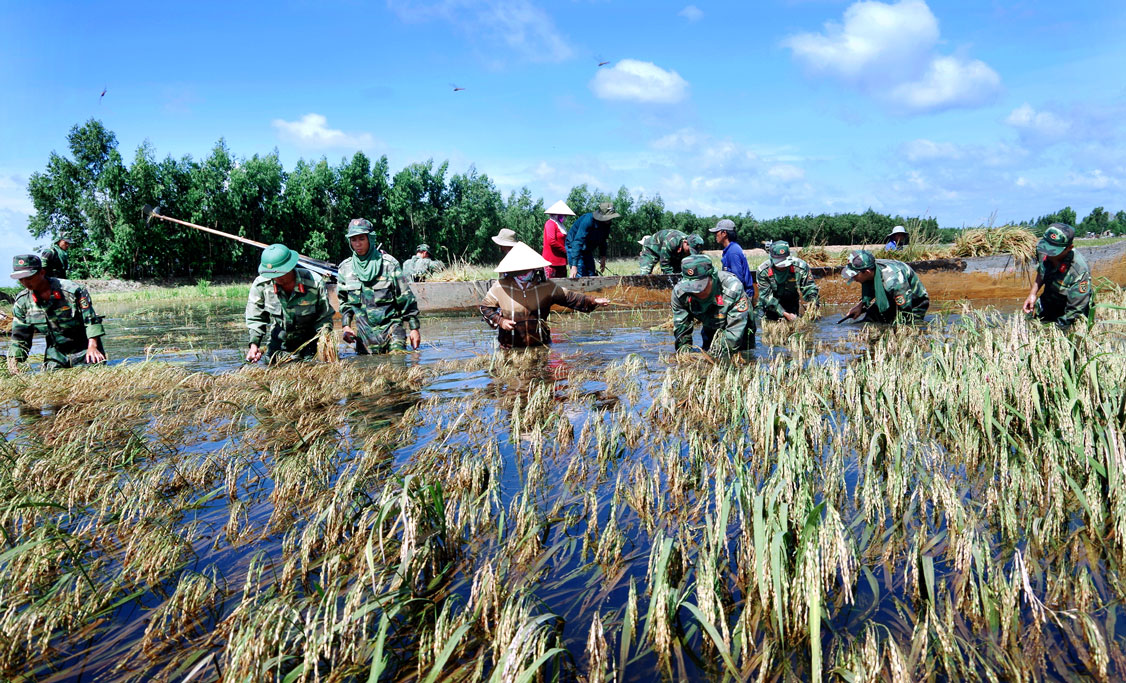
(555, 239)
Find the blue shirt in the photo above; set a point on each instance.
(735, 262)
(891, 246)
(584, 236)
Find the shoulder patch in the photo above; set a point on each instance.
(1084, 286)
(742, 305)
(900, 300)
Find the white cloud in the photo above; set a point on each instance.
(1042, 123)
(13, 194)
(311, 131)
(691, 13)
(787, 173)
(888, 51)
(637, 81)
(519, 24)
(922, 150)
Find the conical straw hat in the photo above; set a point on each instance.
(521, 257)
(560, 208)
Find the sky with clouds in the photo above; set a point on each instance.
(962, 109)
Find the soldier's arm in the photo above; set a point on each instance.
(766, 299)
(681, 324)
(807, 287)
(408, 305)
(737, 312)
(22, 333)
(1078, 299)
(90, 318)
(646, 261)
(324, 308)
(666, 262)
(257, 317)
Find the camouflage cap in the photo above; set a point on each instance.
(695, 241)
(422, 247)
(696, 272)
(861, 260)
(780, 254)
(359, 226)
(25, 265)
(1057, 238)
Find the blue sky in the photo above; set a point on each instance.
(958, 109)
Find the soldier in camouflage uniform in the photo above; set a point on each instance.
(781, 280)
(1065, 277)
(55, 259)
(287, 308)
(61, 311)
(376, 301)
(890, 290)
(718, 301)
(667, 247)
(419, 266)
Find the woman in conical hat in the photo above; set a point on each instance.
(518, 304)
(555, 239)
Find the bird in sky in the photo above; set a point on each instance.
(604, 63)
(104, 89)
(456, 88)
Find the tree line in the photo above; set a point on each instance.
(95, 197)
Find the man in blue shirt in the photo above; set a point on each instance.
(734, 261)
(589, 232)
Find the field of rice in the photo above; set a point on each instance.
(897, 504)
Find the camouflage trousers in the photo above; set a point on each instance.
(284, 345)
(68, 356)
(386, 338)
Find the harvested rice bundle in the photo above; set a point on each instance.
(1014, 240)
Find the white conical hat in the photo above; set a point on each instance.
(560, 208)
(521, 257)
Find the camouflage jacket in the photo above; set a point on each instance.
(783, 283)
(300, 315)
(1067, 289)
(662, 248)
(904, 289)
(726, 314)
(383, 302)
(66, 319)
(55, 261)
(417, 269)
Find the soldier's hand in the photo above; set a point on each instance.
(854, 311)
(507, 324)
(253, 354)
(349, 334)
(94, 355)
(602, 301)
(790, 317)
(414, 338)
(1030, 304)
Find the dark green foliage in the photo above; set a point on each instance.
(95, 198)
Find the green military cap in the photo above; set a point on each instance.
(696, 271)
(696, 242)
(861, 259)
(605, 212)
(422, 247)
(25, 265)
(359, 226)
(780, 253)
(277, 260)
(1057, 238)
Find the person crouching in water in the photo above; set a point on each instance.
(890, 291)
(716, 299)
(518, 304)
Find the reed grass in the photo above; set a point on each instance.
(945, 505)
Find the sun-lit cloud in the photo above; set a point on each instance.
(523, 26)
(1040, 123)
(692, 13)
(888, 51)
(311, 131)
(637, 81)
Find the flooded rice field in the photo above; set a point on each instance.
(849, 503)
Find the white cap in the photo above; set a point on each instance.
(521, 257)
(505, 237)
(559, 208)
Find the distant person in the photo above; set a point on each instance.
(782, 280)
(287, 308)
(378, 310)
(666, 247)
(58, 309)
(55, 259)
(734, 261)
(555, 239)
(897, 238)
(420, 266)
(1065, 277)
(518, 305)
(590, 231)
(505, 239)
(890, 290)
(717, 300)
